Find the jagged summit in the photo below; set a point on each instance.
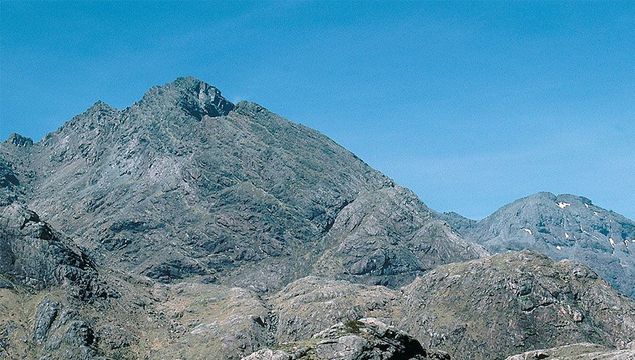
(185, 184)
(98, 106)
(193, 96)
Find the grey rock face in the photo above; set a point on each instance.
(565, 227)
(33, 254)
(46, 313)
(310, 304)
(184, 184)
(381, 236)
(458, 222)
(494, 307)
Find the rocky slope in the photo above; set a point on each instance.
(504, 304)
(184, 184)
(563, 227)
(188, 227)
(488, 308)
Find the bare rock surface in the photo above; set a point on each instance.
(494, 307)
(184, 184)
(563, 227)
(366, 338)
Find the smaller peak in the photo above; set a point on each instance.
(100, 106)
(19, 140)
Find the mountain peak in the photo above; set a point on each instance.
(560, 199)
(19, 140)
(100, 106)
(189, 94)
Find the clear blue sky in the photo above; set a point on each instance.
(470, 104)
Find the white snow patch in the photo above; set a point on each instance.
(587, 205)
(558, 247)
(529, 231)
(563, 205)
(566, 236)
(612, 242)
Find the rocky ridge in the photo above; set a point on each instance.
(583, 351)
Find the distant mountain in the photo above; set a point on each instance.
(562, 227)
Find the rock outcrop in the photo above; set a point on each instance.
(366, 338)
(508, 303)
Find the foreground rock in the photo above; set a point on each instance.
(367, 338)
(508, 303)
(584, 351)
(311, 304)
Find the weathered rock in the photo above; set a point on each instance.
(185, 185)
(380, 237)
(46, 313)
(310, 304)
(508, 303)
(213, 322)
(564, 227)
(367, 338)
(268, 354)
(19, 140)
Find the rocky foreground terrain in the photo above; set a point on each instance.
(188, 227)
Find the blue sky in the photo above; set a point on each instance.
(470, 104)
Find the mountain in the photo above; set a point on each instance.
(188, 227)
(184, 184)
(563, 227)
